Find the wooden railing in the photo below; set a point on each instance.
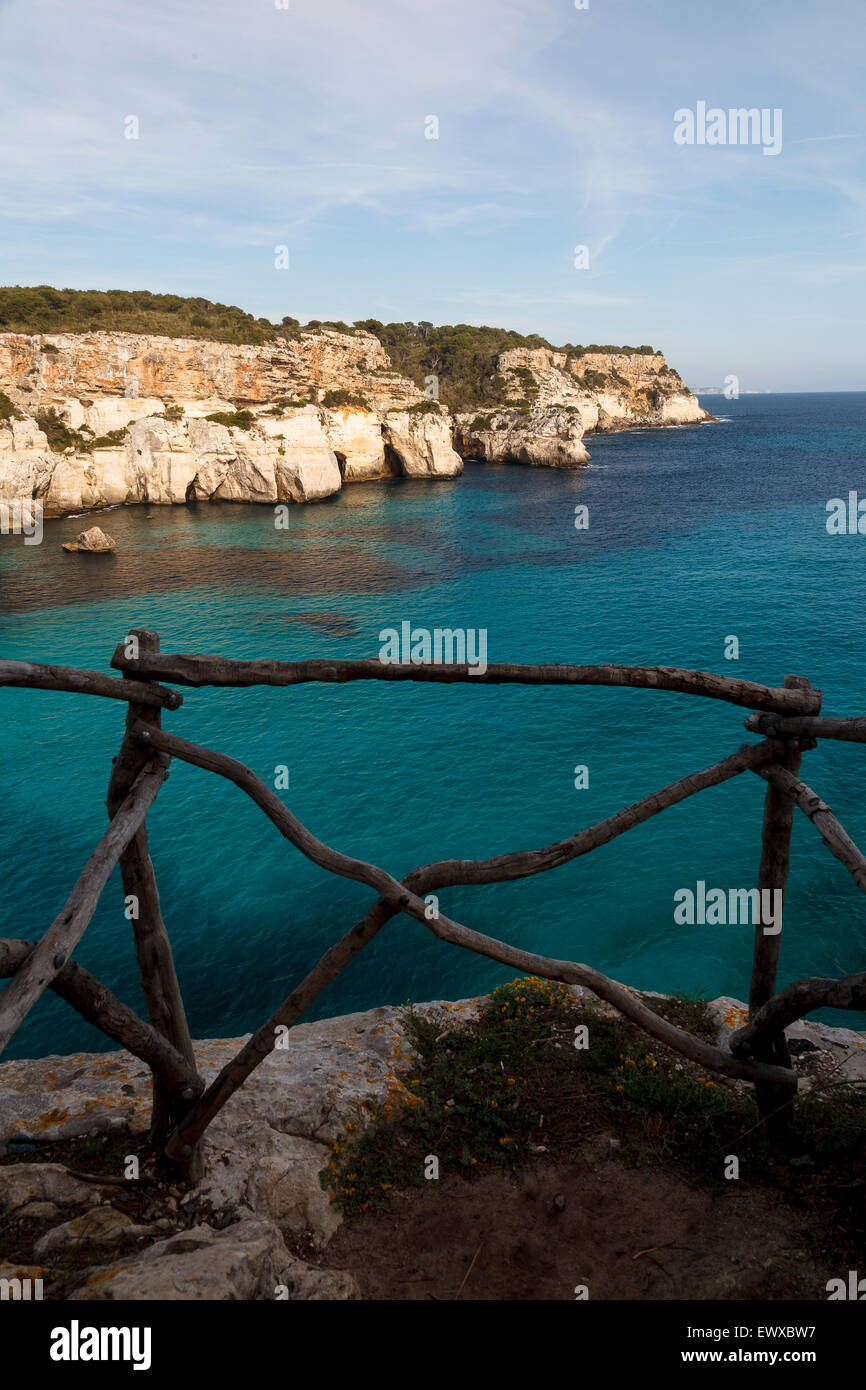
(787, 716)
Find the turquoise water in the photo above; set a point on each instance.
(695, 534)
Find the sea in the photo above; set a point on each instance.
(705, 546)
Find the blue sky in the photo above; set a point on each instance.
(305, 127)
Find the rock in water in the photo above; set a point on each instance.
(94, 540)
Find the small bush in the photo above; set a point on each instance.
(596, 381)
(334, 399)
(467, 1094)
(61, 437)
(57, 432)
(527, 381)
(8, 408)
(234, 419)
(105, 441)
(518, 1081)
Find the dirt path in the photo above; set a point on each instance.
(624, 1232)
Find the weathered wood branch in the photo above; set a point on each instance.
(397, 896)
(794, 1002)
(98, 1006)
(36, 676)
(152, 946)
(216, 670)
(451, 872)
(775, 1102)
(61, 938)
(235, 1073)
(832, 832)
(261, 1044)
(773, 871)
(851, 730)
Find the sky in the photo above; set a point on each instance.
(306, 124)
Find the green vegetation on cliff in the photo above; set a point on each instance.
(83, 441)
(464, 357)
(334, 399)
(8, 409)
(42, 309)
(233, 419)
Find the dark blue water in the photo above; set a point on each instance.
(695, 535)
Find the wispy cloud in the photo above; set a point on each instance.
(307, 126)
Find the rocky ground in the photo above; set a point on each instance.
(259, 1225)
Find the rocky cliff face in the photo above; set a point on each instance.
(298, 455)
(542, 436)
(99, 419)
(135, 412)
(553, 399)
(608, 390)
(56, 368)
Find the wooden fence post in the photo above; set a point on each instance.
(775, 1103)
(153, 949)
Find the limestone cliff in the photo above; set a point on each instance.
(90, 420)
(295, 455)
(59, 367)
(553, 398)
(542, 436)
(101, 419)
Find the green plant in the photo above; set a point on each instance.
(60, 436)
(105, 441)
(57, 432)
(541, 1067)
(691, 1014)
(234, 419)
(8, 409)
(527, 381)
(332, 399)
(466, 1098)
